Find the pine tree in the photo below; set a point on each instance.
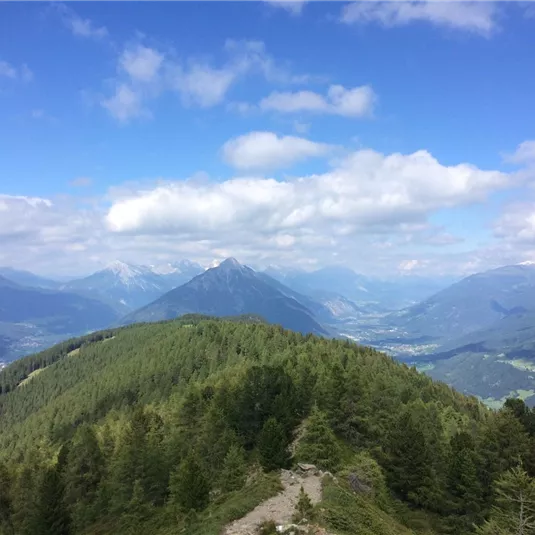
(273, 446)
(234, 471)
(409, 463)
(52, 517)
(514, 508)
(303, 508)
(136, 512)
(318, 444)
(189, 487)
(82, 474)
(25, 501)
(6, 509)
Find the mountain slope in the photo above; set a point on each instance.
(230, 289)
(369, 293)
(26, 278)
(127, 287)
(119, 429)
(32, 317)
(472, 304)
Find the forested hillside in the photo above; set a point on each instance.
(182, 426)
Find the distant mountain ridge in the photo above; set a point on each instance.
(31, 315)
(232, 289)
(128, 287)
(26, 278)
(360, 289)
(474, 303)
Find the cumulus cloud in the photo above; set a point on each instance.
(295, 7)
(524, 154)
(353, 102)
(145, 73)
(126, 103)
(476, 17)
(370, 211)
(141, 63)
(22, 73)
(517, 223)
(79, 26)
(201, 84)
(266, 150)
(367, 191)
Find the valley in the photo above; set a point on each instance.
(477, 334)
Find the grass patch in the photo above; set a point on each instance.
(228, 508)
(35, 373)
(348, 513)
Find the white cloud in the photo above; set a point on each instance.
(295, 7)
(22, 73)
(367, 192)
(477, 17)
(251, 57)
(370, 211)
(353, 102)
(202, 85)
(517, 223)
(141, 63)
(266, 150)
(125, 104)
(524, 154)
(79, 26)
(145, 73)
(7, 70)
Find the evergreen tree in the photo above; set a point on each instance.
(83, 472)
(136, 512)
(234, 471)
(514, 509)
(189, 487)
(6, 524)
(463, 483)
(409, 462)
(318, 444)
(303, 507)
(52, 517)
(273, 446)
(25, 501)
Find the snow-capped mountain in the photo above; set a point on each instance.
(128, 286)
(232, 289)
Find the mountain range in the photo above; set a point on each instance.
(128, 287)
(233, 289)
(33, 317)
(477, 334)
(484, 322)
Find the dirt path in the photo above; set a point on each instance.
(281, 507)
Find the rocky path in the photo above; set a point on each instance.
(281, 507)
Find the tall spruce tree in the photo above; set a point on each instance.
(82, 474)
(409, 461)
(52, 517)
(273, 446)
(6, 508)
(234, 470)
(189, 487)
(318, 444)
(513, 512)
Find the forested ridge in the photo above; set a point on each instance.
(182, 426)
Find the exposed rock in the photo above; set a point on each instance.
(279, 508)
(357, 485)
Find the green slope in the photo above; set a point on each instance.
(118, 429)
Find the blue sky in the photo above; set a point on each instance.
(390, 137)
